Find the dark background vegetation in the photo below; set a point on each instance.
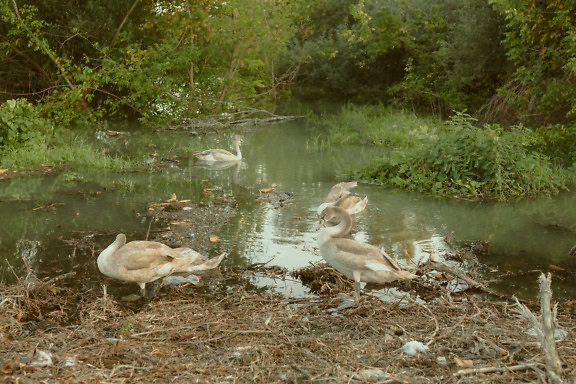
(505, 62)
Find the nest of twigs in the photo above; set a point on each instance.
(188, 336)
(322, 279)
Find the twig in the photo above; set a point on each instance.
(520, 367)
(55, 279)
(149, 226)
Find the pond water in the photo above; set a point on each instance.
(524, 237)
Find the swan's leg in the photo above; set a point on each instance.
(155, 288)
(142, 289)
(357, 292)
(356, 286)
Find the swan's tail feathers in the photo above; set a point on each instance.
(360, 206)
(202, 263)
(215, 261)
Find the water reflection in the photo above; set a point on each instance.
(525, 236)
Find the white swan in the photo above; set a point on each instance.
(352, 204)
(356, 260)
(221, 154)
(572, 251)
(339, 190)
(143, 262)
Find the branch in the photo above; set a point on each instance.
(17, 12)
(471, 371)
(123, 22)
(553, 364)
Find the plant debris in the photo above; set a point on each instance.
(189, 335)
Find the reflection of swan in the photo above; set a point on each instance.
(143, 262)
(339, 190)
(217, 165)
(352, 204)
(356, 260)
(572, 252)
(221, 154)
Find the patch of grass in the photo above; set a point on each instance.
(124, 184)
(65, 149)
(375, 125)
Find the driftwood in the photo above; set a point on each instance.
(441, 267)
(237, 119)
(553, 364)
(544, 328)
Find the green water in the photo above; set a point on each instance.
(524, 237)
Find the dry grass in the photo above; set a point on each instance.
(241, 336)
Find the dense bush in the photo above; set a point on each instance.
(466, 161)
(22, 123)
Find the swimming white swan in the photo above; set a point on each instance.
(143, 262)
(339, 190)
(221, 154)
(352, 204)
(356, 260)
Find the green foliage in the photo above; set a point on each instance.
(470, 162)
(64, 149)
(541, 43)
(158, 61)
(22, 123)
(558, 142)
(375, 125)
(434, 56)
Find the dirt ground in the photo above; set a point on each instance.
(192, 334)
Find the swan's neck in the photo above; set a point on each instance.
(339, 230)
(106, 255)
(322, 206)
(238, 153)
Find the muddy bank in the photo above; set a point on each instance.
(211, 335)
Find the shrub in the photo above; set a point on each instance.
(21, 123)
(471, 162)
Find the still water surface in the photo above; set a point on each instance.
(524, 237)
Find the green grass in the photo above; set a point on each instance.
(70, 150)
(375, 125)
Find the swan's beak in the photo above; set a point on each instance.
(320, 224)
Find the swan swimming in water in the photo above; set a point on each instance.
(211, 155)
(339, 196)
(357, 261)
(143, 262)
(352, 204)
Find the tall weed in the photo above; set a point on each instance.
(466, 161)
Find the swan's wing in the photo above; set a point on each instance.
(216, 154)
(145, 255)
(339, 190)
(348, 202)
(365, 254)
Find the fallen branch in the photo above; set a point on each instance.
(440, 267)
(55, 279)
(472, 371)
